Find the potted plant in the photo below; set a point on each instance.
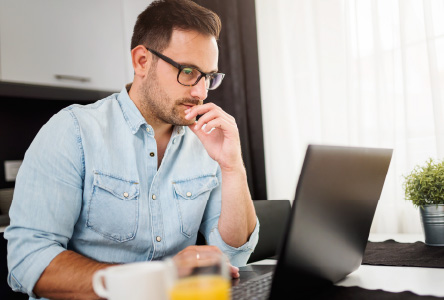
(424, 186)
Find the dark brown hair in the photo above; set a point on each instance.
(154, 26)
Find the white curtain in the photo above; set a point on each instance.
(352, 72)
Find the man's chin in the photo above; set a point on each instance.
(185, 122)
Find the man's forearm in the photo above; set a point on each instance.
(68, 276)
(238, 217)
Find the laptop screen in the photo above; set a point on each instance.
(336, 198)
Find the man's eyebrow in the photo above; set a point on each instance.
(196, 67)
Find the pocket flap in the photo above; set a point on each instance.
(191, 188)
(121, 188)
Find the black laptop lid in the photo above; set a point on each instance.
(336, 198)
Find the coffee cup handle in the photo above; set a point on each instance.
(98, 286)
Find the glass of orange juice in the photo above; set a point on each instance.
(201, 276)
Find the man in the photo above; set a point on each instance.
(134, 177)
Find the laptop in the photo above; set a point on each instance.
(326, 235)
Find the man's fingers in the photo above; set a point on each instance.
(198, 256)
(205, 119)
(212, 116)
(200, 110)
(212, 120)
(216, 123)
(234, 271)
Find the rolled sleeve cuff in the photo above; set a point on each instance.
(24, 277)
(238, 256)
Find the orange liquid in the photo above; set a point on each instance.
(201, 288)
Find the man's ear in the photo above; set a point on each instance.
(141, 59)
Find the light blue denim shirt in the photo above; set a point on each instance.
(90, 183)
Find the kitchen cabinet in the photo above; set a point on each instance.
(77, 44)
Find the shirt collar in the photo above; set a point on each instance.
(131, 113)
(178, 131)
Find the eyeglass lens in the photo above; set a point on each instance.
(215, 80)
(189, 76)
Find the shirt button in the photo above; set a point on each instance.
(174, 141)
(154, 197)
(125, 195)
(158, 239)
(189, 194)
(148, 129)
(152, 154)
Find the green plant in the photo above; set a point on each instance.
(425, 184)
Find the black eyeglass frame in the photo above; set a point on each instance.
(181, 67)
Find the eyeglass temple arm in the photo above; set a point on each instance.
(167, 59)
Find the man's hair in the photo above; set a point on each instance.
(154, 26)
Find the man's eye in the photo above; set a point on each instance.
(187, 71)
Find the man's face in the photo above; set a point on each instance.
(166, 99)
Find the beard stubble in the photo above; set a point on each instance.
(159, 107)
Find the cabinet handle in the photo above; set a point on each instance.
(73, 78)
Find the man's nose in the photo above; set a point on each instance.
(199, 90)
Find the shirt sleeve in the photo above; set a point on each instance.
(238, 256)
(47, 201)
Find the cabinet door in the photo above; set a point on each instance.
(63, 43)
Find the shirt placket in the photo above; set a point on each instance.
(155, 198)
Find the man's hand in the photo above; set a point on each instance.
(220, 137)
(222, 143)
(195, 256)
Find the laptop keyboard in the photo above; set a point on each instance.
(254, 289)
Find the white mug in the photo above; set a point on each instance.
(135, 281)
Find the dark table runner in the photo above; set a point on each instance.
(348, 293)
(391, 253)
(331, 292)
(387, 253)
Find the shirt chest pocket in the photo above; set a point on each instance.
(191, 199)
(113, 207)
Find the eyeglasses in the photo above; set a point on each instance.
(190, 76)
